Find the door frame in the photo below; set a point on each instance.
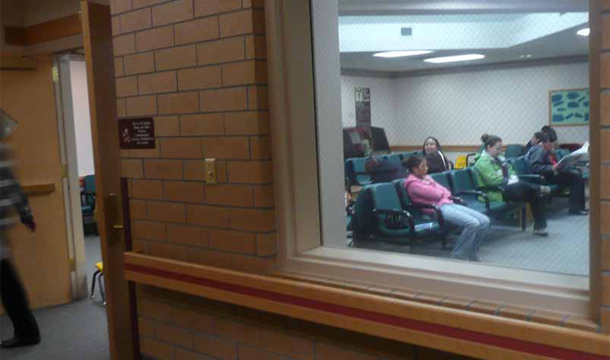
(70, 177)
(120, 294)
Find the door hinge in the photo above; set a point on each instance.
(72, 265)
(55, 72)
(64, 171)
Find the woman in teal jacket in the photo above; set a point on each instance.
(492, 170)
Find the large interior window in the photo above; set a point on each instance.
(406, 80)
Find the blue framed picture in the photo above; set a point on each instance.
(569, 107)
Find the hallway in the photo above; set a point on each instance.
(69, 332)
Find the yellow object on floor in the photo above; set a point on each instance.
(460, 162)
(98, 274)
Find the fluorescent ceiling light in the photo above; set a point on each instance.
(584, 32)
(447, 59)
(395, 54)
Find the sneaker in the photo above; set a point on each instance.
(474, 258)
(545, 190)
(458, 257)
(541, 232)
(578, 212)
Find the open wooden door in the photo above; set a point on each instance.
(42, 257)
(97, 41)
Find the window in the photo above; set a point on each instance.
(516, 64)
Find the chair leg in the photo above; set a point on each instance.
(523, 218)
(95, 274)
(99, 279)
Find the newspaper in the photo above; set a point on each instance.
(581, 154)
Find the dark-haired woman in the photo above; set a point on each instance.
(422, 189)
(492, 170)
(436, 159)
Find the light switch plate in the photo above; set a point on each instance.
(210, 171)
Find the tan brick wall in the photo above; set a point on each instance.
(178, 327)
(199, 68)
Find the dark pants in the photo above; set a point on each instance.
(530, 193)
(15, 301)
(573, 180)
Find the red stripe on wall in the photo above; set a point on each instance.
(431, 328)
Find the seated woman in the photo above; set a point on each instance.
(493, 170)
(422, 189)
(435, 158)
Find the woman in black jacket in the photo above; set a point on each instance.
(436, 159)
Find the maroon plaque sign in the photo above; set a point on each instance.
(137, 133)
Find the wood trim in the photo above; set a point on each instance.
(38, 189)
(47, 31)
(594, 159)
(446, 148)
(17, 63)
(447, 329)
(498, 309)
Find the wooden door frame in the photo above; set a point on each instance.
(121, 312)
(70, 179)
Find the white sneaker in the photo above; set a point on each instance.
(545, 190)
(541, 232)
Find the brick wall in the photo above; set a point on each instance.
(175, 326)
(198, 67)
(605, 160)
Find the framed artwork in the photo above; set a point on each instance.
(569, 107)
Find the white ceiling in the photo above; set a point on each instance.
(498, 29)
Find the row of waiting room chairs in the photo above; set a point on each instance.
(355, 170)
(356, 174)
(377, 202)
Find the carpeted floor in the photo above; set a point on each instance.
(76, 331)
(565, 250)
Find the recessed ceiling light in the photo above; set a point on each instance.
(395, 54)
(584, 32)
(447, 59)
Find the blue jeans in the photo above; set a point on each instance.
(474, 226)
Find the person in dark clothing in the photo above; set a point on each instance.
(550, 132)
(382, 170)
(542, 163)
(12, 293)
(435, 158)
(534, 141)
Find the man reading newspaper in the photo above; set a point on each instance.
(562, 173)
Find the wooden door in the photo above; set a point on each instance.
(97, 41)
(41, 257)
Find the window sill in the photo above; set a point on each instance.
(561, 293)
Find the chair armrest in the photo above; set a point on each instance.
(458, 200)
(468, 157)
(477, 193)
(439, 214)
(88, 195)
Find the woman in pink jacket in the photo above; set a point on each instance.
(422, 189)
